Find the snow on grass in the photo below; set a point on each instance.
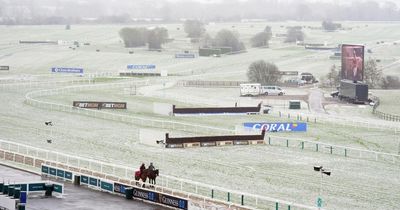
(274, 171)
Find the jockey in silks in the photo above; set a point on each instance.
(151, 167)
(139, 173)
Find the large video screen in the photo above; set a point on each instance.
(352, 62)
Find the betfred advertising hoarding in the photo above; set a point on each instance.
(113, 105)
(276, 127)
(99, 105)
(352, 62)
(86, 104)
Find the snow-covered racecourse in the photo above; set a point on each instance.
(360, 150)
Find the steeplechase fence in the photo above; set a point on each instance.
(30, 98)
(207, 141)
(216, 110)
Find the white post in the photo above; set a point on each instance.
(320, 186)
(396, 138)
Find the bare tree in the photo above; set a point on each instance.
(194, 28)
(372, 74)
(260, 39)
(227, 38)
(264, 73)
(294, 34)
(137, 37)
(333, 77)
(134, 37)
(157, 37)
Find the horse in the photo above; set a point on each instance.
(152, 175)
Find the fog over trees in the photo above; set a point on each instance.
(121, 11)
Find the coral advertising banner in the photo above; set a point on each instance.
(276, 127)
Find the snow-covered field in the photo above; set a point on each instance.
(274, 171)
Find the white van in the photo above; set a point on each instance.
(272, 90)
(250, 89)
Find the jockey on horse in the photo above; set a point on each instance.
(151, 167)
(141, 169)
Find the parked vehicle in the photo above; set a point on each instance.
(272, 90)
(256, 89)
(353, 92)
(250, 89)
(295, 81)
(308, 78)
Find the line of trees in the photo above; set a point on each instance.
(140, 36)
(224, 38)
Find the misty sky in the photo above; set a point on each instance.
(330, 1)
(122, 11)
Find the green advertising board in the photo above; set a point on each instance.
(58, 188)
(60, 173)
(53, 171)
(23, 187)
(106, 186)
(84, 179)
(93, 181)
(45, 169)
(32, 187)
(68, 175)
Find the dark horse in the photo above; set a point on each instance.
(152, 175)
